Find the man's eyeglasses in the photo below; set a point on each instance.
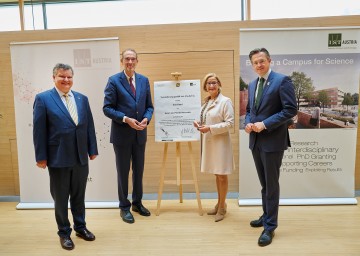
(65, 77)
(127, 59)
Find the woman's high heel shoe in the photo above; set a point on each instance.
(213, 211)
(220, 215)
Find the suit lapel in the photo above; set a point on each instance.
(139, 86)
(213, 103)
(56, 97)
(79, 105)
(252, 93)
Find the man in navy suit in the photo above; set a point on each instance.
(266, 121)
(64, 138)
(128, 104)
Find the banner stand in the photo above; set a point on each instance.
(319, 167)
(301, 201)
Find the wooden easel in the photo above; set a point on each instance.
(179, 182)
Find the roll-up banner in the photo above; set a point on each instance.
(93, 61)
(324, 65)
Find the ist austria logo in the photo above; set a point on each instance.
(334, 40)
(82, 58)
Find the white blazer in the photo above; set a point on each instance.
(217, 154)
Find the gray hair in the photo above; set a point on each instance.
(128, 50)
(62, 66)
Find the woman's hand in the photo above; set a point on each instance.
(204, 129)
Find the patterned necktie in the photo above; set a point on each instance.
(132, 86)
(71, 108)
(260, 91)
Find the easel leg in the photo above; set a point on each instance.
(195, 179)
(162, 178)
(178, 170)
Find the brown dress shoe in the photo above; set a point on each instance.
(67, 243)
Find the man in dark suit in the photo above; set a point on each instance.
(271, 104)
(128, 104)
(64, 138)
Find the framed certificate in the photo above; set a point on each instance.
(177, 105)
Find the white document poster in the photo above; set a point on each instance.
(177, 105)
(93, 61)
(324, 65)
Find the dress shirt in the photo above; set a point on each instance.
(71, 97)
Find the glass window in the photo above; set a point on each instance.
(278, 9)
(10, 18)
(33, 15)
(148, 12)
(140, 12)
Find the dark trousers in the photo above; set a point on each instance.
(65, 183)
(126, 154)
(268, 169)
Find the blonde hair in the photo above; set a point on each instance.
(206, 78)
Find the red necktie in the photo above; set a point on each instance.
(132, 86)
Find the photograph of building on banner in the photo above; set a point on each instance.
(177, 106)
(325, 98)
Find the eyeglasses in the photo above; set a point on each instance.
(128, 59)
(65, 77)
(212, 83)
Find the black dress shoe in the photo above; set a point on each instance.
(85, 234)
(141, 209)
(266, 238)
(67, 243)
(257, 223)
(127, 216)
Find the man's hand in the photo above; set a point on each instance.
(258, 127)
(144, 123)
(92, 157)
(42, 164)
(248, 127)
(135, 124)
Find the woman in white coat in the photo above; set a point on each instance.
(216, 119)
